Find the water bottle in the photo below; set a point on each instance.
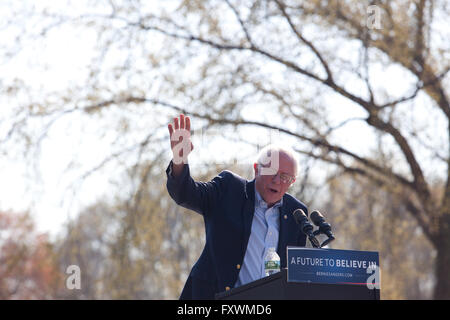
(271, 262)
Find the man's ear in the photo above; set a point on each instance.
(255, 168)
(292, 182)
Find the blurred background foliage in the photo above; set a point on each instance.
(366, 107)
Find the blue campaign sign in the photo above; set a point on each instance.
(332, 266)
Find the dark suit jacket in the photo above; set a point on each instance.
(227, 204)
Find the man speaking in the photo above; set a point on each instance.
(243, 219)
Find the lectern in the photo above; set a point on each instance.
(315, 274)
(276, 287)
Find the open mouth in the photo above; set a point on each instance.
(273, 190)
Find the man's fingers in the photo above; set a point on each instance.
(188, 124)
(182, 121)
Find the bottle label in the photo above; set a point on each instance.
(272, 264)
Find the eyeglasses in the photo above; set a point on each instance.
(284, 177)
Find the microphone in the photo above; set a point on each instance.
(302, 220)
(324, 227)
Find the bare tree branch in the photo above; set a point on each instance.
(419, 87)
(315, 142)
(241, 23)
(308, 43)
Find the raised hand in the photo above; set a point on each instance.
(180, 141)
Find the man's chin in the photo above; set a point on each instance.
(272, 199)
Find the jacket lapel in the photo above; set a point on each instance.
(248, 212)
(288, 231)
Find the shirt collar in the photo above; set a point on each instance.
(259, 201)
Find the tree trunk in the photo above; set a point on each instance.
(442, 288)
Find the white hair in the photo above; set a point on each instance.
(266, 152)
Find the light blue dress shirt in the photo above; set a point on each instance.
(264, 234)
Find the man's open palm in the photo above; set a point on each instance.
(180, 139)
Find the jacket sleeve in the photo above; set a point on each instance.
(197, 196)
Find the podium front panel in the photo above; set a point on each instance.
(276, 287)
